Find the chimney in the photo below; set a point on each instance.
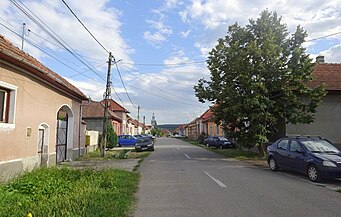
(320, 59)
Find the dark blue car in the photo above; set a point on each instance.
(316, 157)
(126, 140)
(218, 142)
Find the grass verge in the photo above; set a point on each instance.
(69, 192)
(231, 152)
(339, 190)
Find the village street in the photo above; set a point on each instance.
(179, 179)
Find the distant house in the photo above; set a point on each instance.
(208, 126)
(40, 118)
(122, 113)
(93, 115)
(193, 129)
(328, 115)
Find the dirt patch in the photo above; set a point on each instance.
(124, 164)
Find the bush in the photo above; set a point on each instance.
(202, 137)
(112, 137)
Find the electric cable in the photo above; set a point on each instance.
(84, 26)
(47, 29)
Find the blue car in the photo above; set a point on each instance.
(316, 157)
(126, 140)
(218, 142)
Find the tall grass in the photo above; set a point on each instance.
(69, 192)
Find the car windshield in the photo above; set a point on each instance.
(222, 139)
(320, 146)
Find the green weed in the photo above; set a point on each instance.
(69, 192)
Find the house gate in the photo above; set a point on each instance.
(61, 145)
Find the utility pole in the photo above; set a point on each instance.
(23, 36)
(138, 118)
(106, 106)
(144, 124)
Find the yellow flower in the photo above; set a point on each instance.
(29, 215)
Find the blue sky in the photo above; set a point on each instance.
(161, 46)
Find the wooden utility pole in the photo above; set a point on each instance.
(138, 118)
(106, 106)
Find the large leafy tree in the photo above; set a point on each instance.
(259, 78)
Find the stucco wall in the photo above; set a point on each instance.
(327, 123)
(36, 104)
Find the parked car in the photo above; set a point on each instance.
(218, 142)
(316, 157)
(144, 143)
(139, 136)
(126, 140)
(151, 136)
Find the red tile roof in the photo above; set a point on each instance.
(11, 54)
(114, 106)
(328, 74)
(96, 110)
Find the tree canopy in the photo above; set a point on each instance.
(259, 77)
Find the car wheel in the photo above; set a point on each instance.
(313, 173)
(221, 146)
(273, 164)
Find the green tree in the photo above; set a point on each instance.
(112, 138)
(156, 132)
(259, 78)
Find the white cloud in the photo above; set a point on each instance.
(161, 31)
(319, 18)
(96, 15)
(155, 39)
(185, 34)
(333, 54)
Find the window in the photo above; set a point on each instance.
(283, 144)
(294, 146)
(217, 129)
(7, 105)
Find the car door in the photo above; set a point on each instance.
(296, 156)
(215, 142)
(210, 141)
(123, 140)
(281, 154)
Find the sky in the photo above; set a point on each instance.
(159, 46)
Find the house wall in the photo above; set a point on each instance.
(327, 123)
(212, 129)
(36, 104)
(192, 132)
(94, 124)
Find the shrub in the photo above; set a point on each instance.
(202, 137)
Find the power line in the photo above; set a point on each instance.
(165, 64)
(163, 97)
(84, 26)
(125, 89)
(57, 45)
(155, 78)
(47, 29)
(118, 97)
(156, 86)
(50, 55)
(326, 36)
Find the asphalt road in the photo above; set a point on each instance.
(179, 179)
